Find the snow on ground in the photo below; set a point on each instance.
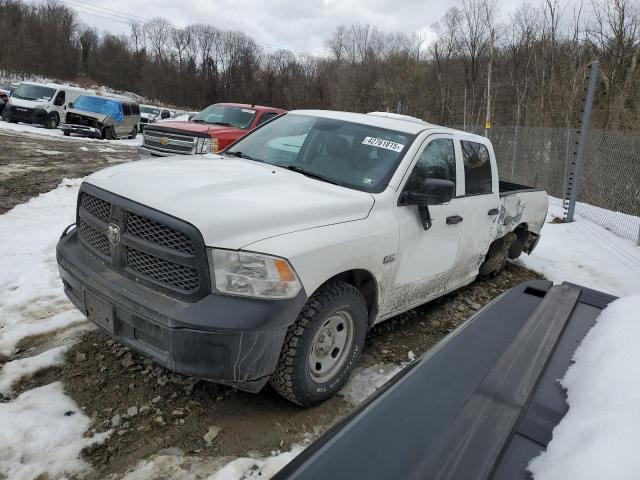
(366, 380)
(32, 300)
(42, 435)
(41, 131)
(249, 468)
(599, 436)
(585, 253)
(13, 371)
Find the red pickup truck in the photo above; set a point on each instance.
(210, 131)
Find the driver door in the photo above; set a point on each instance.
(426, 257)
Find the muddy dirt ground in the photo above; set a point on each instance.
(33, 164)
(150, 408)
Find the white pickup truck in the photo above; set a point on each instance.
(270, 261)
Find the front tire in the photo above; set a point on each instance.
(108, 133)
(321, 347)
(134, 133)
(52, 122)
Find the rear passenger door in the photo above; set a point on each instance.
(480, 203)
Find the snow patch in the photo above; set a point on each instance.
(585, 253)
(599, 436)
(366, 380)
(24, 367)
(48, 152)
(42, 435)
(32, 300)
(262, 468)
(35, 131)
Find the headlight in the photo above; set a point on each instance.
(215, 146)
(203, 145)
(252, 274)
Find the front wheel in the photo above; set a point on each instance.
(108, 133)
(52, 122)
(321, 347)
(134, 133)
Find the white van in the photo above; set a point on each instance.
(42, 103)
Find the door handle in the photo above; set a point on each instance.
(454, 219)
(494, 211)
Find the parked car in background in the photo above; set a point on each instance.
(184, 117)
(271, 261)
(41, 103)
(4, 98)
(102, 117)
(210, 131)
(150, 114)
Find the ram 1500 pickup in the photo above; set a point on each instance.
(270, 261)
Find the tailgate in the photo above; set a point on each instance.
(481, 404)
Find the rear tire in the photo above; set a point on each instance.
(321, 347)
(496, 258)
(66, 133)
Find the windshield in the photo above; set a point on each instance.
(224, 115)
(152, 110)
(349, 154)
(26, 91)
(100, 105)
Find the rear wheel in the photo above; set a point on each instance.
(66, 133)
(496, 258)
(322, 346)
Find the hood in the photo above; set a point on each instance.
(39, 103)
(194, 127)
(234, 202)
(148, 116)
(96, 116)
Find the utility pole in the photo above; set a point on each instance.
(464, 111)
(487, 120)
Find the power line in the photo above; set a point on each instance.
(120, 17)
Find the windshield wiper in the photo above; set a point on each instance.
(198, 120)
(243, 155)
(317, 176)
(223, 123)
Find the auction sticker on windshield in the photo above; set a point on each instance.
(382, 143)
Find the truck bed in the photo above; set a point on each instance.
(479, 405)
(506, 187)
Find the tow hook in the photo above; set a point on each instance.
(66, 230)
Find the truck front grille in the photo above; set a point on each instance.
(179, 276)
(96, 240)
(162, 252)
(156, 232)
(168, 142)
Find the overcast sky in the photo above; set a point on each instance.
(295, 24)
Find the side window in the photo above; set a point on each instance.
(477, 168)
(126, 108)
(59, 101)
(135, 109)
(438, 160)
(266, 117)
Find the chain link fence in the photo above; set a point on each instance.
(609, 186)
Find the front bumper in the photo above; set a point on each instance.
(146, 152)
(230, 340)
(80, 129)
(27, 115)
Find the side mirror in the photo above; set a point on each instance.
(435, 191)
(70, 104)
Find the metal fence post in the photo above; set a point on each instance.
(638, 243)
(573, 179)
